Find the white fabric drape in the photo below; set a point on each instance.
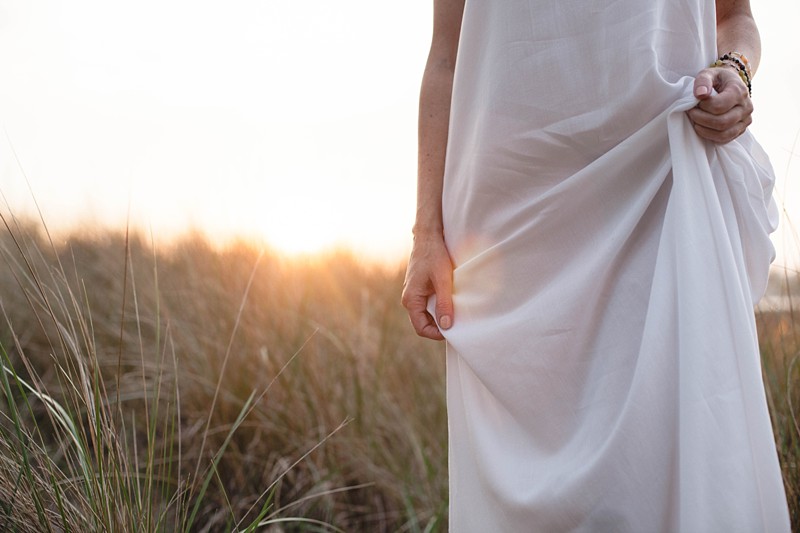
(603, 369)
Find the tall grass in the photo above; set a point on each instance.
(195, 389)
(190, 388)
(779, 338)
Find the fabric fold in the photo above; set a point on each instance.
(603, 366)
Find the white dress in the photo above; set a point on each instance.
(603, 368)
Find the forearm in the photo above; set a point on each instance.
(737, 32)
(434, 118)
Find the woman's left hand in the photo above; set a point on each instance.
(723, 116)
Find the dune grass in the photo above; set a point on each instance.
(190, 388)
(195, 389)
(779, 339)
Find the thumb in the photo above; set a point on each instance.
(703, 84)
(444, 302)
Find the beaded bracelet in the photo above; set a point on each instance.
(736, 61)
(740, 63)
(743, 59)
(742, 74)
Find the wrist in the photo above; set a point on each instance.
(427, 231)
(739, 64)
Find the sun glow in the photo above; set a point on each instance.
(288, 122)
(265, 120)
(299, 223)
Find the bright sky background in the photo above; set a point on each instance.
(285, 120)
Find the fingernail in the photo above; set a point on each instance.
(701, 91)
(444, 322)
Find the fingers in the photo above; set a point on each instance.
(703, 84)
(443, 286)
(721, 134)
(430, 272)
(415, 300)
(421, 320)
(723, 116)
(724, 127)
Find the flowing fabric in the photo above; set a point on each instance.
(603, 368)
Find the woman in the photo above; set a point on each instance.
(591, 234)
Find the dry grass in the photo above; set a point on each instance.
(195, 389)
(211, 390)
(779, 337)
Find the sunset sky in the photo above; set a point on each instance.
(288, 121)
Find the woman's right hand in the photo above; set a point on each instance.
(430, 271)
